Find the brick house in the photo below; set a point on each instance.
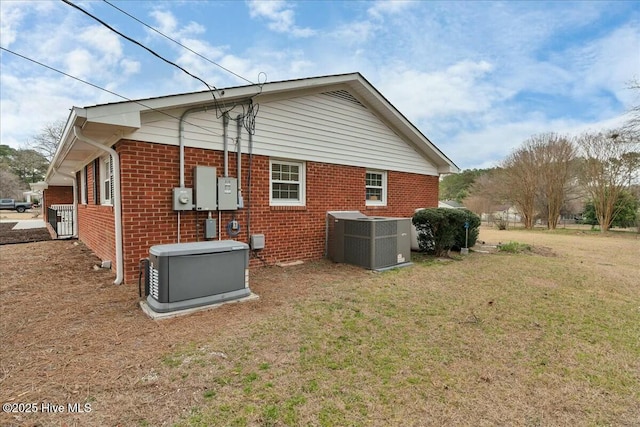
(297, 148)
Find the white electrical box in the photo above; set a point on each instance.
(227, 194)
(182, 199)
(204, 182)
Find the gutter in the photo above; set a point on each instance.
(77, 131)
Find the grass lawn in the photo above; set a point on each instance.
(545, 335)
(500, 339)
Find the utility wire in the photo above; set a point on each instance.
(151, 51)
(177, 42)
(106, 90)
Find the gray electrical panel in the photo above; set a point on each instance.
(227, 194)
(182, 199)
(186, 275)
(204, 181)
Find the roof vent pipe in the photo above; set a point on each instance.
(117, 205)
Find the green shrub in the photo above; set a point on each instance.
(514, 247)
(442, 229)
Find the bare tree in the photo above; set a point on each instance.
(538, 175)
(632, 125)
(46, 142)
(485, 194)
(520, 173)
(10, 185)
(555, 155)
(610, 166)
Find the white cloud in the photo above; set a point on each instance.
(459, 89)
(355, 32)
(280, 16)
(384, 7)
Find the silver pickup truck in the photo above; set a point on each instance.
(11, 204)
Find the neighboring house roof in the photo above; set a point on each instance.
(107, 123)
(452, 204)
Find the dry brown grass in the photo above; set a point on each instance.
(546, 338)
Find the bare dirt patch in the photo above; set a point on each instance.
(9, 236)
(70, 336)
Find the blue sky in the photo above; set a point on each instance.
(478, 78)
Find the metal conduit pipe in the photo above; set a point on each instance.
(239, 158)
(117, 204)
(181, 145)
(225, 125)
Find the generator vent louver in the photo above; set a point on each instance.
(154, 283)
(344, 95)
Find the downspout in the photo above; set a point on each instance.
(117, 205)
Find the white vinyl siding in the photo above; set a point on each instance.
(376, 188)
(320, 128)
(287, 183)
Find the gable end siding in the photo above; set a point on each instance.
(329, 128)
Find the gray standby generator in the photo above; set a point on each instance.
(187, 275)
(375, 243)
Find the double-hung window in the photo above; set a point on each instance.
(376, 188)
(287, 183)
(106, 177)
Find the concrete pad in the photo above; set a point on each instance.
(28, 224)
(160, 316)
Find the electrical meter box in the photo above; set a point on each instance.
(227, 194)
(182, 199)
(204, 182)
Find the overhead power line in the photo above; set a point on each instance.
(177, 42)
(151, 51)
(107, 90)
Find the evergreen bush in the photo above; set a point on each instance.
(442, 229)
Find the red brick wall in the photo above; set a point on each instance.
(96, 222)
(151, 171)
(57, 195)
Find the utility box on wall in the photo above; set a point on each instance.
(204, 181)
(227, 194)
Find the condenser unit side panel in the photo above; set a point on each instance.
(404, 240)
(357, 251)
(197, 276)
(385, 252)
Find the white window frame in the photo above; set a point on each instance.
(106, 178)
(301, 201)
(382, 187)
(83, 186)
